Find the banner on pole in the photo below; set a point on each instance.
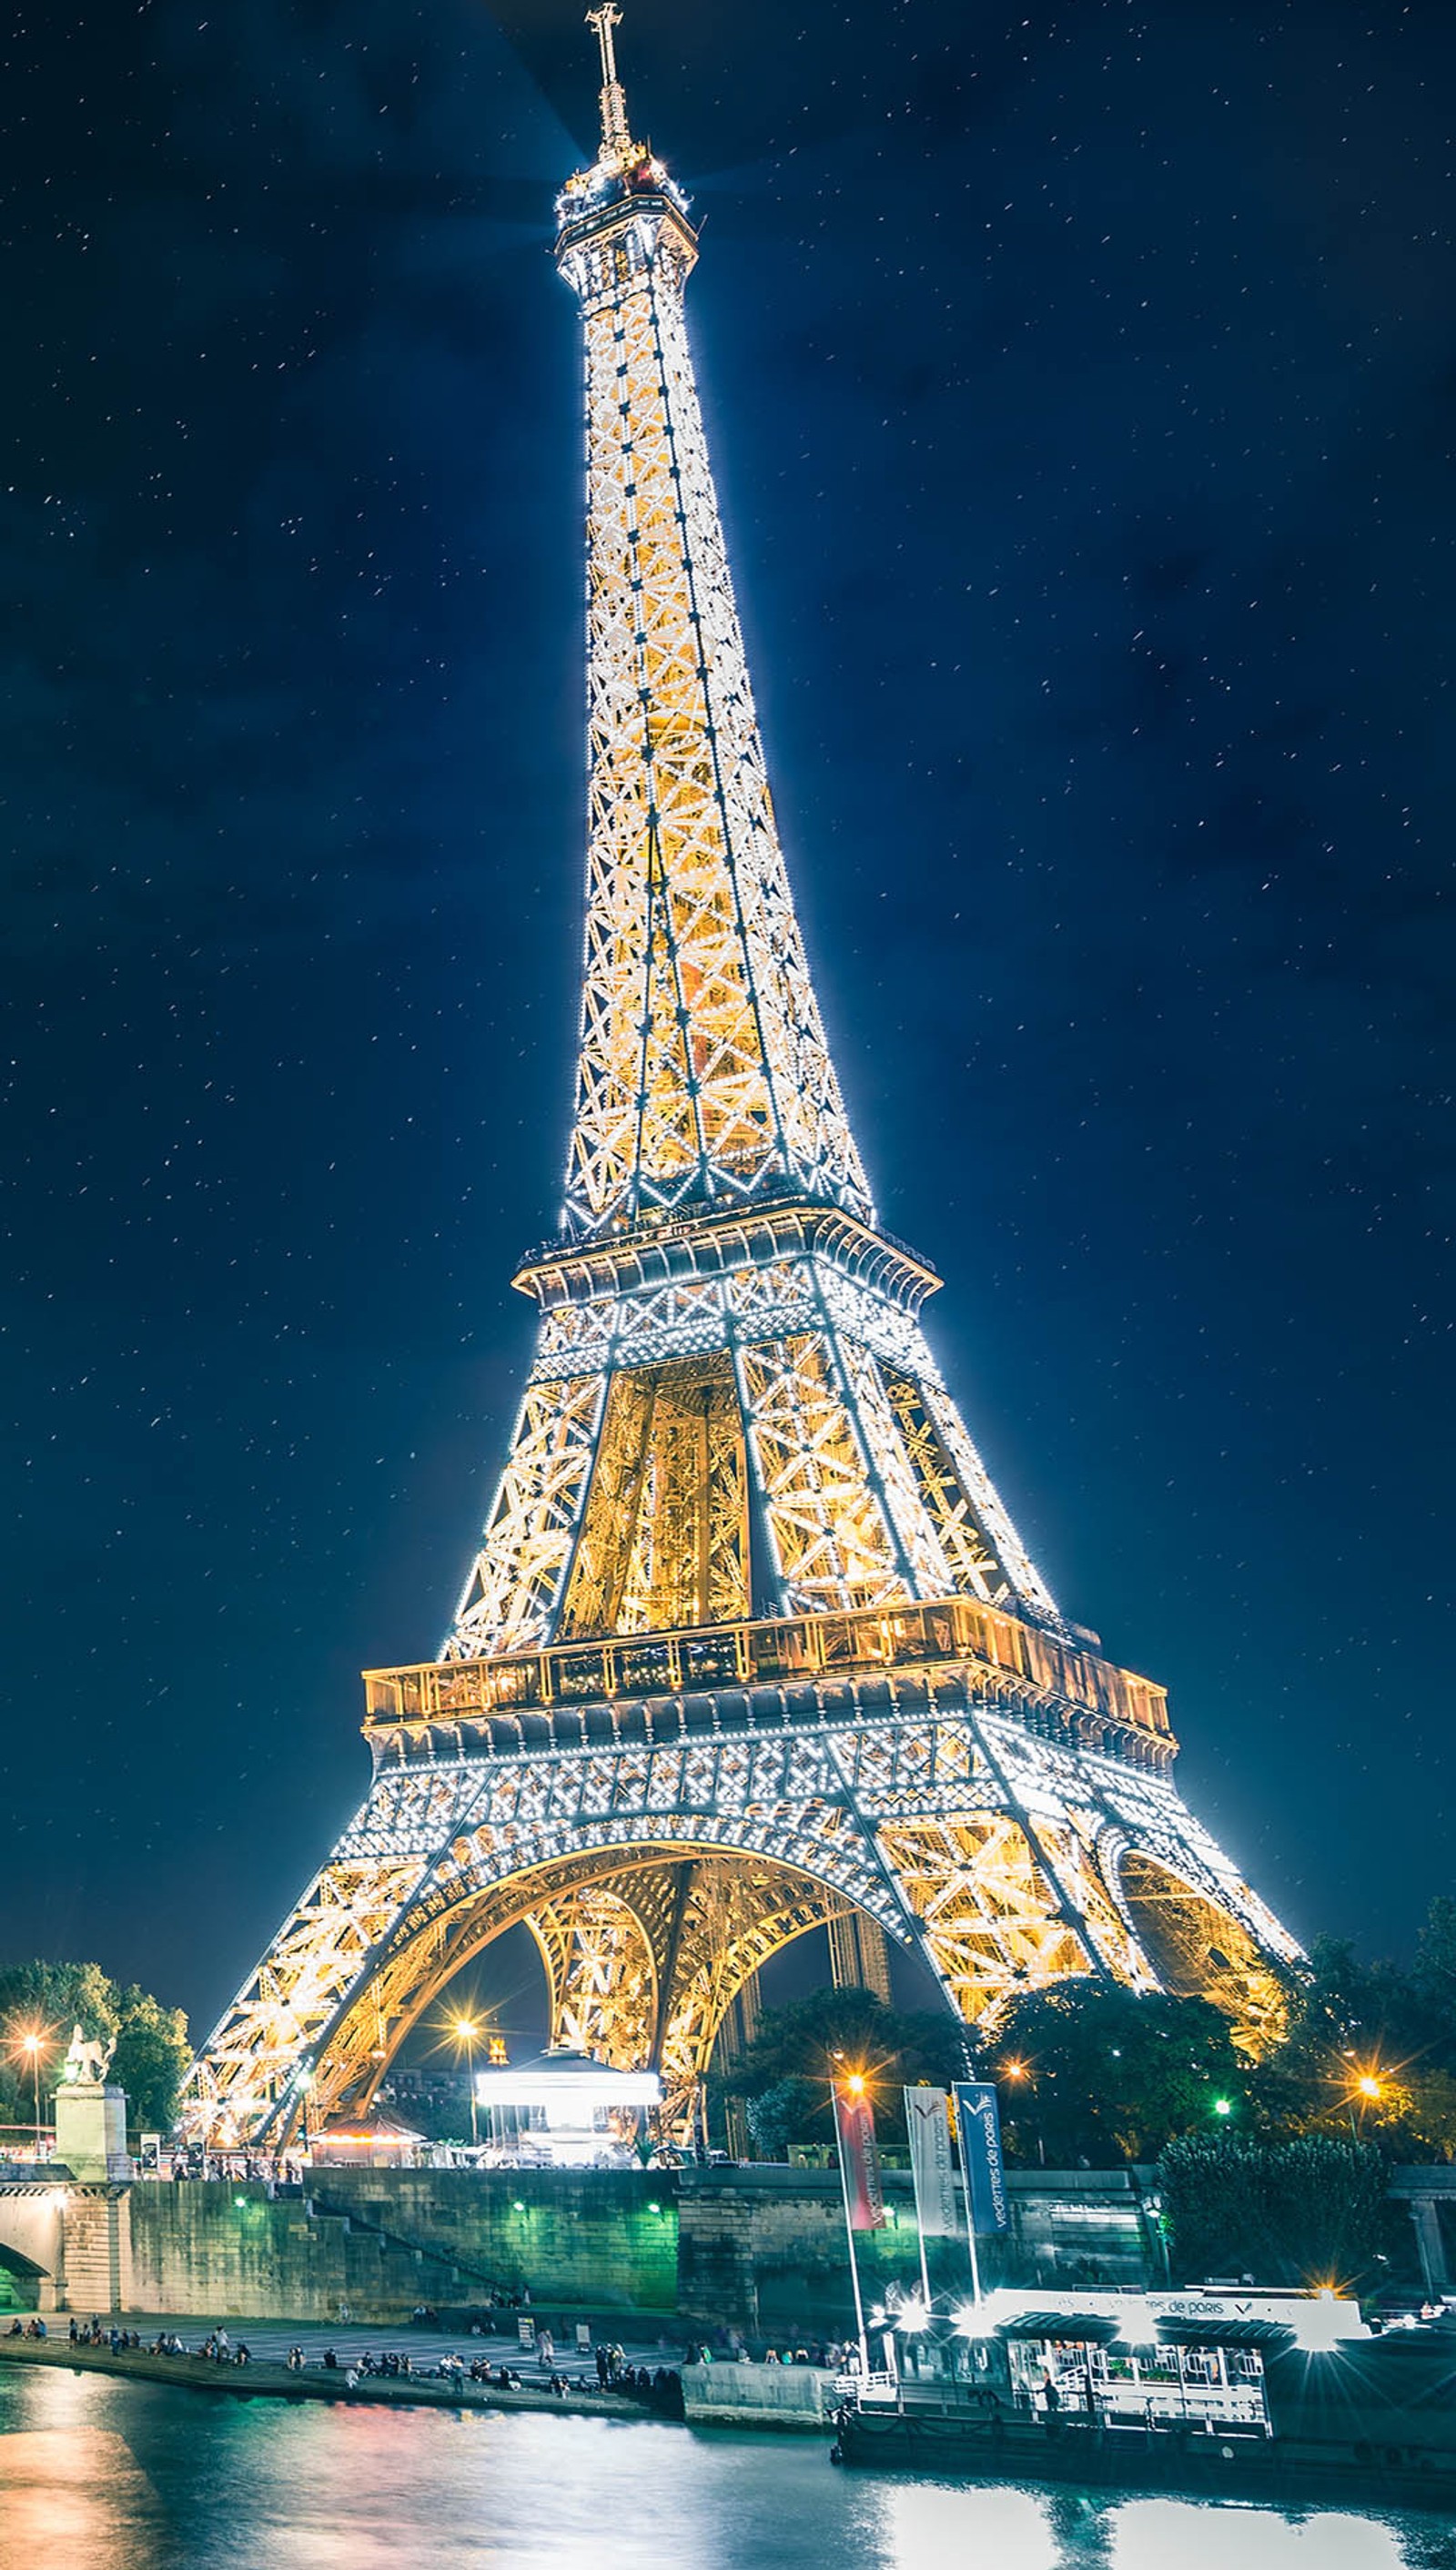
(865, 2203)
(927, 2121)
(978, 2123)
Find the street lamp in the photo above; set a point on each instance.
(1369, 2091)
(1018, 2073)
(466, 2031)
(33, 2045)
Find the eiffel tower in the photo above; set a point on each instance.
(750, 1645)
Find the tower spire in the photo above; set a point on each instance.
(616, 131)
(703, 1073)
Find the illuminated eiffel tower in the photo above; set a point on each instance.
(751, 1644)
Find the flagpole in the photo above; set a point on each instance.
(964, 2143)
(919, 2211)
(849, 2235)
(927, 2122)
(975, 2260)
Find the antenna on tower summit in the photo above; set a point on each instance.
(616, 131)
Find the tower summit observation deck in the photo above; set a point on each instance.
(751, 1644)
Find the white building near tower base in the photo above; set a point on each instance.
(566, 2110)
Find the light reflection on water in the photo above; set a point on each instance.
(115, 2475)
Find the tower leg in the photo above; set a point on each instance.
(600, 1970)
(860, 1959)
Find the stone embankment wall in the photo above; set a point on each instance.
(383, 2242)
(796, 2398)
(217, 2247)
(764, 2247)
(603, 2237)
(760, 2249)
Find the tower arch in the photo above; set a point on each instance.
(645, 1951)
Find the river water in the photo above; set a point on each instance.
(100, 2474)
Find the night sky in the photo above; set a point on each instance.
(1081, 392)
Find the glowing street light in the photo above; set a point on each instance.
(29, 2046)
(1364, 2088)
(1019, 2073)
(466, 2033)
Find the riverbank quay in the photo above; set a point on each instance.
(759, 2248)
(273, 2379)
(426, 2343)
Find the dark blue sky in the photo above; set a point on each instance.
(1081, 390)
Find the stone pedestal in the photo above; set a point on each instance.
(91, 2131)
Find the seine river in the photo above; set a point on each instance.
(98, 2474)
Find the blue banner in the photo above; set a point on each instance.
(978, 2126)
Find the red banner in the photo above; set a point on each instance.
(864, 2204)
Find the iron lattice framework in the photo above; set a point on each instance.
(751, 1644)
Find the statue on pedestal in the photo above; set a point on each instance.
(86, 2062)
(91, 2116)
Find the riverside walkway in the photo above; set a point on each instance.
(267, 2373)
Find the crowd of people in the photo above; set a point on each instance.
(661, 2387)
(658, 2388)
(124, 2341)
(828, 2353)
(281, 2168)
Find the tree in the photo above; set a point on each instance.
(55, 1997)
(1369, 2049)
(1434, 1976)
(150, 2060)
(786, 2072)
(1307, 2212)
(1092, 2072)
(51, 2000)
(783, 2114)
